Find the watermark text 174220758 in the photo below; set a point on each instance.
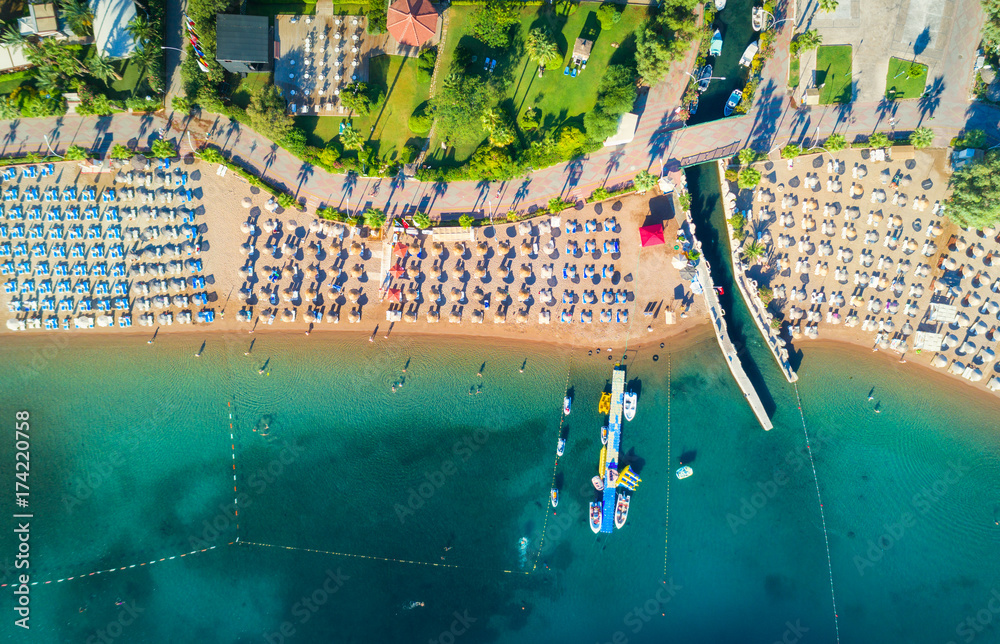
(22, 469)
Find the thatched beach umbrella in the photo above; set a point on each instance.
(335, 245)
(522, 316)
(354, 315)
(314, 226)
(245, 227)
(435, 271)
(334, 273)
(354, 295)
(459, 248)
(433, 316)
(437, 248)
(525, 248)
(287, 315)
(503, 247)
(478, 295)
(480, 271)
(246, 203)
(482, 248)
(413, 271)
(456, 295)
(355, 249)
(454, 317)
(525, 271)
(524, 294)
(504, 271)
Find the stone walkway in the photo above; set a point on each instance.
(771, 122)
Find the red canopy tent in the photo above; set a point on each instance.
(412, 22)
(651, 235)
(397, 270)
(400, 250)
(393, 294)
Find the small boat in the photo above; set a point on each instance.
(604, 406)
(630, 403)
(704, 78)
(693, 108)
(621, 510)
(757, 17)
(749, 53)
(554, 497)
(604, 435)
(734, 100)
(716, 47)
(612, 477)
(684, 472)
(567, 402)
(561, 447)
(595, 516)
(413, 605)
(598, 483)
(720, 5)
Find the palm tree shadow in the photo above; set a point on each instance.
(930, 99)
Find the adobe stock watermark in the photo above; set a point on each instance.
(637, 618)
(115, 628)
(462, 450)
(258, 482)
(922, 502)
(750, 506)
(307, 606)
(793, 633)
(459, 627)
(970, 627)
(83, 487)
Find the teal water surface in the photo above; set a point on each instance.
(132, 461)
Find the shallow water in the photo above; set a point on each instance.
(131, 464)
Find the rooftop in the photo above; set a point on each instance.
(111, 18)
(243, 38)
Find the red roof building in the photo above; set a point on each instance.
(412, 22)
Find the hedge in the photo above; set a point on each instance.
(252, 179)
(598, 196)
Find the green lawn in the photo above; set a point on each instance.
(241, 94)
(899, 83)
(793, 72)
(833, 74)
(398, 77)
(131, 83)
(10, 82)
(560, 98)
(306, 8)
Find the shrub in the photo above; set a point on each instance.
(76, 153)
(295, 141)
(421, 120)
(835, 143)
(878, 140)
(287, 201)
(600, 194)
(425, 64)
(790, 151)
(765, 293)
(609, 14)
(748, 178)
(421, 220)
(163, 149)
(972, 139)
(466, 221)
(922, 137)
(530, 119)
(731, 175)
(360, 97)
(747, 156)
(180, 103)
(377, 14)
(122, 153)
(329, 213)
(685, 200)
(557, 205)
(210, 155)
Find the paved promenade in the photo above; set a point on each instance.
(772, 121)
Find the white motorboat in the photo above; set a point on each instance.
(596, 516)
(567, 403)
(749, 53)
(554, 497)
(757, 17)
(621, 510)
(734, 100)
(631, 398)
(684, 472)
(604, 435)
(598, 483)
(716, 47)
(561, 447)
(720, 5)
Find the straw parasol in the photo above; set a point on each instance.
(354, 295)
(435, 271)
(504, 271)
(456, 295)
(454, 317)
(482, 248)
(525, 271)
(354, 315)
(413, 271)
(459, 248)
(525, 248)
(355, 249)
(522, 316)
(357, 270)
(433, 316)
(478, 295)
(437, 248)
(524, 294)
(287, 315)
(335, 273)
(335, 245)
(504, 247)
(480, 272)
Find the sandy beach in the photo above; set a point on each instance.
(859, 251)
(576, 280)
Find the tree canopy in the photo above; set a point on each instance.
(975, 193)
(459, 106)
(267, 113)
(664, 39)
(541, 47)
(922, 137)
(494, 20)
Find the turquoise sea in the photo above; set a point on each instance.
(131, 462)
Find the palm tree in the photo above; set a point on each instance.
(140, 29)
(78, 16)
(540, 47)
(12, 36)
(828, 5)
(352, 139)
(102, 69)
(754, 252)
(922, 137)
